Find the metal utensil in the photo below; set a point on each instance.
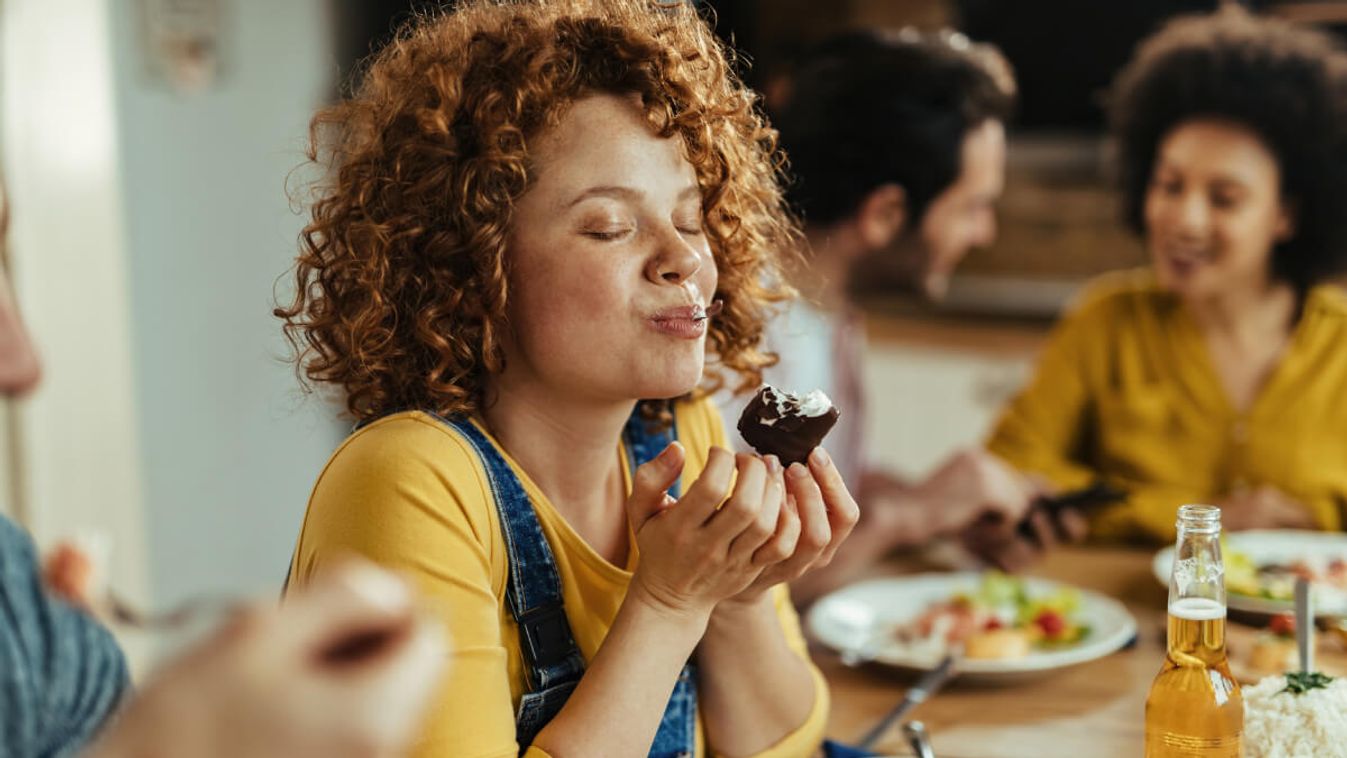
(918, 740)
(189, 611)
(915, 696)
(1304, 624)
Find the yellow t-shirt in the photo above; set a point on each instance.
(1125, 391)
(410, 493)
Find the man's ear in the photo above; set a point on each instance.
(882, 215)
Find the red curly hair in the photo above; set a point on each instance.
(401, 286)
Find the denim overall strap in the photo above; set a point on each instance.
(677, 734)
(533, 590)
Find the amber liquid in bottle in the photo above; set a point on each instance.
(1195, 708)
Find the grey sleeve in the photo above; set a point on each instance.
(61, 673)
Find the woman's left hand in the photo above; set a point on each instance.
(818, 515)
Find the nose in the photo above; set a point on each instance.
(674, 260)
(20, 369)
(1191, 214)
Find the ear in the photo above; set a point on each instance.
(882, 215)
(1287, 221)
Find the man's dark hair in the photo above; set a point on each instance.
(1286, 84)
(869, 108)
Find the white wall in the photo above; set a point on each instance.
(77, 434)
(926, 403)
(228, 447)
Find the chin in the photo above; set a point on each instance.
(676, 381)
(1185, 288)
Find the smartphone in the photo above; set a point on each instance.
(1084, 500)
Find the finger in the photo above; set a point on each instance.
(351, 599)
(650, 485)
(740, 512)
(1044, 532)
(787, 537)
(706, 494)
(1014, 555)
(395, 690)
(764, 527)
(843, 513)
(1292, 516)
(1073, 525)
(815, 531)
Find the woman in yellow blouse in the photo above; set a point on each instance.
(539, 221)
(1219, 374)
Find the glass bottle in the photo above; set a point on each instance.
(1194, 708)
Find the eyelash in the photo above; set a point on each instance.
(605, 236)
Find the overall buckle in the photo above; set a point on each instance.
(546, 635)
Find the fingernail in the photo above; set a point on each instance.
(666, 457)
(798, 471)
(773, 464)
(819, 457)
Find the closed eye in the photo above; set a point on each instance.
(606, 235)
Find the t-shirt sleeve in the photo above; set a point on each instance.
(409, 494)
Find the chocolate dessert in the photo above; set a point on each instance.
(785, 425)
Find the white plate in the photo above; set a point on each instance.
(851, 617)
(1265, 546)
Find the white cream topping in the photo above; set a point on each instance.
(816, 403)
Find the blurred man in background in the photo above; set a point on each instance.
(896, 142)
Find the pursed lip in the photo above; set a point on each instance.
(685, 321)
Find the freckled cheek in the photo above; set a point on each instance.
(576, 300)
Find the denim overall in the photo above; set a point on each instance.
(551, 657)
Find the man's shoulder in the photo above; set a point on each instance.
(61, 673)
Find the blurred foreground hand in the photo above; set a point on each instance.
(344, 668)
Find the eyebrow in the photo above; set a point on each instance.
(625, 193)
(1222, 181)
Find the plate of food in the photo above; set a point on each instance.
(1261, 567)
(999, 624)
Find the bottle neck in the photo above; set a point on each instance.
(1197, 606)
(1198, 570)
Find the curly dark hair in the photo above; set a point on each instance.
(1285, 83)
(401, 282)
(876, 106)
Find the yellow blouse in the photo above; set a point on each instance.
(408, 492)
(1125, 392)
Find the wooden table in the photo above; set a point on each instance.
(1093, 710)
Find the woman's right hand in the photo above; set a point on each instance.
(972, 485)
(694, 551)
(1264, 508)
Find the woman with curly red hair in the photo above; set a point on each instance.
(540, 221)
